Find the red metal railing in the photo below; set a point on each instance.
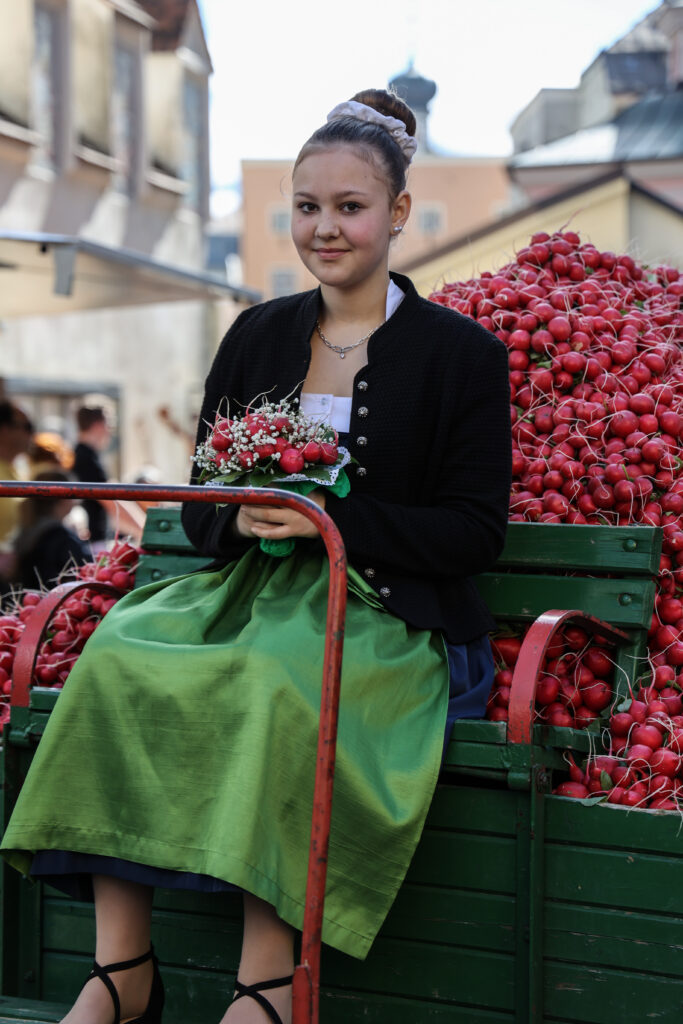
(306, 990)
(530, 660)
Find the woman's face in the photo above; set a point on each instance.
(343, 218)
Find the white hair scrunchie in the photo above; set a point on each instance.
(392, 125)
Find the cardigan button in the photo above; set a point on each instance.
(362, 385)
(369, 573)
(363, 411)
(385, 592)
(361, 471)
(361, 441)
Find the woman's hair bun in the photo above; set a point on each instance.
(373, 122)
(389, 104)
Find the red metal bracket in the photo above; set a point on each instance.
(530, 659)
(307, 975)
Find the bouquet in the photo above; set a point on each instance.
(274, 445)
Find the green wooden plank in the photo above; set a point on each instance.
(43, 698)
(465, 861)
(477, 809)
(226, 905)
(30, 1010)
(564, 739)
(198, 997)
(163, 531)
(192, 997)
(451, 974)
(338, 1007)
(523, 597)
(420, 913)
(152, 568)
(55, 1015)
(626, 879)
(608, 825)
(628, 551)
(613, 938)
(477, 730)
(452, 916)
(587, 995)
(483, 755)
(187, 940)
(461, 976)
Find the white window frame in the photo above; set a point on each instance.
(128, 176)
(427, 210)
(282, 269)
(198, 202)
(279, 220)
(60, 74)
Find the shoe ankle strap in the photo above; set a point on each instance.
(124, 965)
(254, 992)
(103, 974)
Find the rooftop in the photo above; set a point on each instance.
(651, 129)
(645, 36)
(169, 16)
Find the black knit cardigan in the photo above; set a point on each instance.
(430, 428)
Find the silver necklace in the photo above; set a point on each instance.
(341, 350)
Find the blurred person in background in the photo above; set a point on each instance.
(48, 450)
(104, 515)
(50, 455)
(94, 437)
(45, 546)
(16, 430)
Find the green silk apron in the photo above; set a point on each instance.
(185, 738)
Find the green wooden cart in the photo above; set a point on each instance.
(518, 906)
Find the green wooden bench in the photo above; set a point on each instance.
(516, 901)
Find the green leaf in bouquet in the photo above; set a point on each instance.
(228, 478)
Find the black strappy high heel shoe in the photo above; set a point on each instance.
(254, 992)
(152, 1014)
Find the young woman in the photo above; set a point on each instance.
(136, 797)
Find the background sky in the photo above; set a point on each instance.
(281, 65)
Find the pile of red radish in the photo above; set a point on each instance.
(596, 376)
(644, 767)
(70, 627)
(644, 739)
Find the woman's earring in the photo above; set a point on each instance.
(399, 227)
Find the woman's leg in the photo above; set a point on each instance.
(123, 914)
(267, 952)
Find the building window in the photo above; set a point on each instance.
(280, 221)
(45, 75)
(282, 282)
(431, 219)
(193, 155)
(125, 118)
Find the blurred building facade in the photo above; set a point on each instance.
(104, 138)
(612, 212)
(450, 194)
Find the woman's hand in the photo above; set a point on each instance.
(276, 522)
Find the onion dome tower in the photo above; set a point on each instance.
(417, 92)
